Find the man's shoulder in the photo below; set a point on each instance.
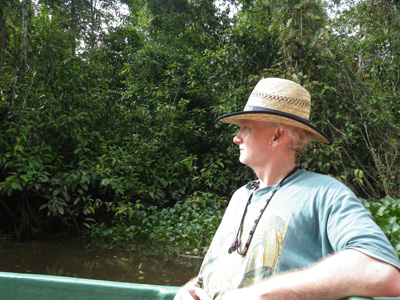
(318, 178)
(322, 184)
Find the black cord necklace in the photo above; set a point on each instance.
(254, 187)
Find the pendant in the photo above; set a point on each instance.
(233, 246)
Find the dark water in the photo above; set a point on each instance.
(148, 264)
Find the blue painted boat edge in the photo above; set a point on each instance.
(16, 286)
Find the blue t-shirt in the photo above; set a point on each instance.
(309, 217)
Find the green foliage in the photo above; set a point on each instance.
(113, 115)
(351, 102)
(185, 228)
(385, 213)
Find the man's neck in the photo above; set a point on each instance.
(274, 176)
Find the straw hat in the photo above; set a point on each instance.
(281, 101)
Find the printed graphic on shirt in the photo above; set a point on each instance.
(221, 271)
(268, 246)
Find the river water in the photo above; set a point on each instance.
(148, 264)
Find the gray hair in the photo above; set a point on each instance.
(300, 138)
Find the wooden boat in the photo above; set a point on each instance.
(16, 286)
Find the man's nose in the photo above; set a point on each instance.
(237, 139)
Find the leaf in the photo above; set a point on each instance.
(66, 196)
(24, 178)
(56, 192)
(105, 182)
(60, 210)
(43, 206)
(11, 178)
(130, 212)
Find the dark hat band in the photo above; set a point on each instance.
(253, 110)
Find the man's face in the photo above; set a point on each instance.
(252, 140)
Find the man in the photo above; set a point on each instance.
(291, 234)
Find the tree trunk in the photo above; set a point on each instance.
(74, 22)
(25, 48)
(3, 35)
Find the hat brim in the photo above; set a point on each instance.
(278, 117)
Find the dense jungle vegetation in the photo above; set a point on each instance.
(108, 109)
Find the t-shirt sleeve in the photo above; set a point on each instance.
(350, 226)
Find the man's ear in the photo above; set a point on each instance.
(278, 135)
